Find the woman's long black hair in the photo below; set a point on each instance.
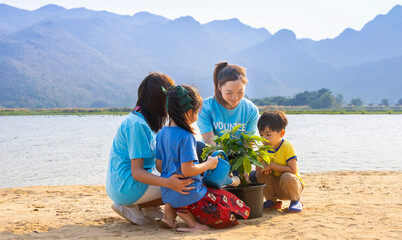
(152, 100)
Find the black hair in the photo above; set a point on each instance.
(176, 111)
(274, 120)
(152, 100)
(223, 73)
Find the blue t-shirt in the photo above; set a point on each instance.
(174, 146)
(215, 117)
(134, 139)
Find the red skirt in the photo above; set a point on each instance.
(217, 208)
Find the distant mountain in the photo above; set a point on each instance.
(146, 18)
(33, 59)
(285, 63)
(57, 57)
(225, 32)
(378, 39)
(371, 80)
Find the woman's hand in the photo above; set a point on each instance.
(213, 162)
(179, 184)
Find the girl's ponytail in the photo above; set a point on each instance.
(177, 108)
(218, 67)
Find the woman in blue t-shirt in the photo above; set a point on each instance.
(130, 182)
(228, 107)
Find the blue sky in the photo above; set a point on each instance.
(315, 19)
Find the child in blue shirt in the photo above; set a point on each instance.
(176, 154)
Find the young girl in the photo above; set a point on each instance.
(176, 154)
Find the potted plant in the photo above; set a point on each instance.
(243, 151)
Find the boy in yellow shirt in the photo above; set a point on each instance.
(281, 176)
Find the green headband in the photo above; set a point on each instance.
(182, 95)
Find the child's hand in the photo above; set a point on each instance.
(247, 177)
(212, 161)
(266, 170)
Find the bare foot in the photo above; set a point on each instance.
(163, 223)
(169, 218)
(198, 227)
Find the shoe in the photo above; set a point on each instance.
(152, 212)
(273, 205)
(295, 207)
(131, 213)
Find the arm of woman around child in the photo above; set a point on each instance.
(290, 167)
(173, 182)
(189, 169)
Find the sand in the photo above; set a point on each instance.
(337, 205)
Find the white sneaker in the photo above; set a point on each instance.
(131, 213)
(152, 212)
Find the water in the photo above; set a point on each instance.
(63, 150)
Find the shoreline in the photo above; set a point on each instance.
(337, 204)
(331, 172)
(126, 110)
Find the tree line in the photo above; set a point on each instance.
(320, 99)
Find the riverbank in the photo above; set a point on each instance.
(123, 111)
(345, 205)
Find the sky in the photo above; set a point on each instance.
(315, 19)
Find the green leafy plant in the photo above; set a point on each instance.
(243, 150)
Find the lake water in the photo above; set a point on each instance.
(63, 150)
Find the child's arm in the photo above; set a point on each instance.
(159, 165)
(189, 169)
(290, 167)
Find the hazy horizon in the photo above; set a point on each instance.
(312, 19)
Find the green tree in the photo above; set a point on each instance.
(384, 102)
(356, 102)
(326, 100)
(339, 100)
(301, 99)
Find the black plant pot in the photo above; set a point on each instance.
(252, 196)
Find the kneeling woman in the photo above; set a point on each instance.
(130, 183)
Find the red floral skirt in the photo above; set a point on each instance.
(217, 208)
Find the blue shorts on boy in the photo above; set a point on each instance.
(134, 139)
(175, 146)
(214, 117)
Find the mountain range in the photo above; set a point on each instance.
(57, 57)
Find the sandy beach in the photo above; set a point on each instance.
(337, 205)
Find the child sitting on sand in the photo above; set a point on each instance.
(281, 176)
(176, 154)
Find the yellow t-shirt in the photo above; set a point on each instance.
(283, 154)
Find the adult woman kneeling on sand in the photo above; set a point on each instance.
(131, 182)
